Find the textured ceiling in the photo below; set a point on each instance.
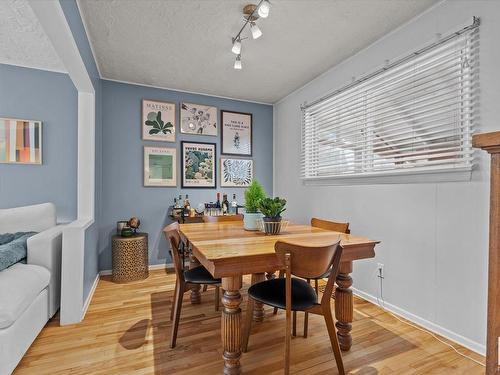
(22, 39)
(186, 45)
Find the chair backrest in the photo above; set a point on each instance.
(311, 262)
(218, 219)
(172, 235)
(330, 225)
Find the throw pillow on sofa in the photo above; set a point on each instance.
(13, 248)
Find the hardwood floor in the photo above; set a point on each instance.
(127, 327)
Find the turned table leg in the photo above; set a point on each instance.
(258, 310)
(231, 325)
(195, 290)
(344, 305)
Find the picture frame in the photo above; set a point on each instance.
(160, 166)
(158, 121)
(20, 141)
(236, 172)
(198, 119)
(198, 165)
(236, 133)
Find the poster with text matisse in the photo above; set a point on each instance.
(158, 121)
(20, 141)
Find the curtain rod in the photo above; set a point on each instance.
(476, 22)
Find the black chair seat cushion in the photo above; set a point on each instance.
(200, 275)
(273, 293)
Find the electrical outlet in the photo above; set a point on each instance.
(380, 268)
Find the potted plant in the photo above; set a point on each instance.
(272, 209)
(253, 195)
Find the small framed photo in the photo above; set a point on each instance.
(158, 121)
(236, 133)
(198, 166)
(160, 166)
(20, 141)
(236, 172)
(198, 119)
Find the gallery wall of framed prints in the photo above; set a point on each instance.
(198, 160)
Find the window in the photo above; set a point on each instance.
(415, 115)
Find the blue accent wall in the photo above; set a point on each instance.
(51, 98)
(125, 196)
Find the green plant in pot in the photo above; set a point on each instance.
(272, 208)
(253, 195)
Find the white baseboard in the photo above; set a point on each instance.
(151, 267)
(432, 327)
(89, 297)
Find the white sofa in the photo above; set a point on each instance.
(29, 293)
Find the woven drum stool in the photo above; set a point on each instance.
(130, 258)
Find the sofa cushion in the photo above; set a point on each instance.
(19, 286)
(13, 248)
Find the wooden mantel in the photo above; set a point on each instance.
(490, 142)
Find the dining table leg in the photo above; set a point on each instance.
(344, 306)
(231, 324)
(258, 310)
(195, 296)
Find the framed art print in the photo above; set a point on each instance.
(236, 172)
(198, 119)
(236, 133)
(158, 121)
(20, 141)
(198, 166)
(160, 166)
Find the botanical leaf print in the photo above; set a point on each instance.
(237, 172)
(154, 120)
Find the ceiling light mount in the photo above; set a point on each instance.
(251, 13)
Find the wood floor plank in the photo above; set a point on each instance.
(127, 328)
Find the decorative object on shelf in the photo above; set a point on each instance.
(251, 13)
(127, 232)
(200, 209)
(134, 223)
(130, 257)
(160, 166)
(236, 172)
(120, 225)
(198, 165)
(20, 141)
(158, 121)
(272, 208)
(198, 119)
(253, 195)
(236, 134)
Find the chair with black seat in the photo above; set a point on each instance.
(306, 261)
(185, 279)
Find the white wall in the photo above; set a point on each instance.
(434, 235)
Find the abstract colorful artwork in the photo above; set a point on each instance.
(198, 165)
(20, 141)
(236, 172)
(160, 166)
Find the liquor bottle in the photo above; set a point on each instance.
(217, 205)
(179, 201)
(225, 205)
(175, 203)
(187, 206)
(233, 210)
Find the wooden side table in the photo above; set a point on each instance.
(130, 258)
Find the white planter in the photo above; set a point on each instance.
(250, 221)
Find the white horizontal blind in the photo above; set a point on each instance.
(414, 116)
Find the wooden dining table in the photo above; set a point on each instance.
(229, 252)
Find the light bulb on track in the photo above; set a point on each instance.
(237, 63)
(263, 10)
(256, 33)
(236, 46)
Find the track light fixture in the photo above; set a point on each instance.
(237, 62)
(251, 13)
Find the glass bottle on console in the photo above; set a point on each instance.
(225, 205)
(233, 208)
(217, 206)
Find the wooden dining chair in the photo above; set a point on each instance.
(221, 219)
(295, 294)
(185, 279)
